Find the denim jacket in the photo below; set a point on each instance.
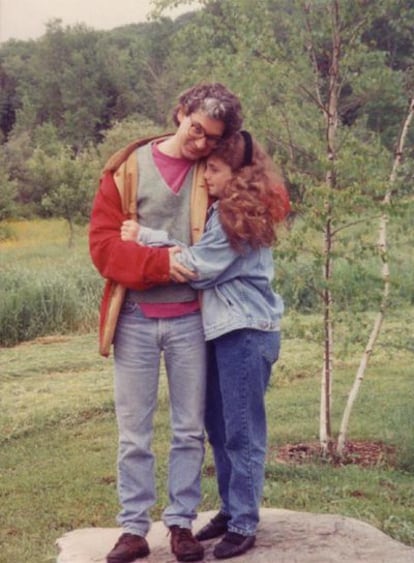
(237, 290)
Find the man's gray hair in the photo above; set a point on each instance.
(216, 101)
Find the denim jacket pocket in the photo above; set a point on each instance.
(226, 300)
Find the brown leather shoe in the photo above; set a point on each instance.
(128, 548)
(184, 545)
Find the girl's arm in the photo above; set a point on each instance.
(145, 236)
(211, 257)
(131, 231)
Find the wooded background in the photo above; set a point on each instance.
(72, 96)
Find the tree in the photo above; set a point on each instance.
(14, 65)
(13, 160)
(8, 191)
(383, 252)
(314, 83)
(68, 184)
(123, 132)
(62, 83)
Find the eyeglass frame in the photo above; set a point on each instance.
(211, 140)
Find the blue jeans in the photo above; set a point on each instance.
(240, 364)
(138, 344)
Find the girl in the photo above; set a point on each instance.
(241, 318)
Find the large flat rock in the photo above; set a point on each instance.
(284, 537)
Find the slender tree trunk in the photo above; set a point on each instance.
(71, 232)
(382, 249)
(331, 119)
(325, 430)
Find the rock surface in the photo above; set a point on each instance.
(284, 537)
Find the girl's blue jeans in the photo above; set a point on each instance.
(240, 365)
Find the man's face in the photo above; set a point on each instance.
(198, 134)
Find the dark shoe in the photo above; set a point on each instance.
(215, 528)
(128, 548)
(184, 545)
(233, 544)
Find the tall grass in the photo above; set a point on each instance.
(45, 286)
(48, 288)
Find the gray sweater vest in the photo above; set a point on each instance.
(160, 208)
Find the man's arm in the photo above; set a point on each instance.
(131, 265)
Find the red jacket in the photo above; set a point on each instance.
(125, 264)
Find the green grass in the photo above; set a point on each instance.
(59, 440)
(45, 286)
(58, 436)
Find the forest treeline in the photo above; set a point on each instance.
(70, 97)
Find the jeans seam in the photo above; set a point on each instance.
(246, 421)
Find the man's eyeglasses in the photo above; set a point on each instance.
(196, 131)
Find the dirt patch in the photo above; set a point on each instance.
(54, 339)
(361, 453)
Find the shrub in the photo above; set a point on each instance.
(57, 302)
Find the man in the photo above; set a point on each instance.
(147, 311)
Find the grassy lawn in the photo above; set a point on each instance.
(58, 436)
(58, 439)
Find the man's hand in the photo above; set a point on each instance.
(129, 230)
(178, 272)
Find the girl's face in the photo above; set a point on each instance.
(216, 175)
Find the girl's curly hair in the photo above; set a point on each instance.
(255, 200)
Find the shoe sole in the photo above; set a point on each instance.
(139, 556)
(238, 550)
(189, 558)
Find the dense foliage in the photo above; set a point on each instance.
(68, 88)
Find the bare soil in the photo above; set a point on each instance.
(362, 453)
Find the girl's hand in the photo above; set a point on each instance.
(178, 272)
(130, 230)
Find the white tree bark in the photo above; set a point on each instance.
(331, 119)
(382, 250)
